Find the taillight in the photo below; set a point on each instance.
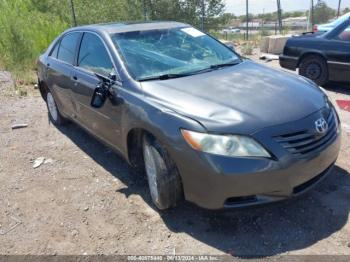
(315, 28)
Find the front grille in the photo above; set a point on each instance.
(305, 142)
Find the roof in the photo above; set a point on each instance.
(113, 28)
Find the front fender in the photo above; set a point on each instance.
(163, 123)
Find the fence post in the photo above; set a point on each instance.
(144, 7)
(247, 20)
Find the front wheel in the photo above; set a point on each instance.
(314, 68)
(163, 177)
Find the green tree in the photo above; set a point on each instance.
(323, 13)
(188, 11)
(226, 18)
(346, 10)
(243, 18)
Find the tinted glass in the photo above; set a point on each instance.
(93, 55)
(170, 51)
(344, 35)
(67, 48)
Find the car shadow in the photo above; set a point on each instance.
(255, 232)
(338, 87)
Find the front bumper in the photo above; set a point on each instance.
(288, 62)
(215, 182)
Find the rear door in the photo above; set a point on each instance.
(94, 57)
(60, 69)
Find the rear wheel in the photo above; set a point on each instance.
(314, 68)
(54, 114)
(163, 177)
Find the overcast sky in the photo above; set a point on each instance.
(258, 6)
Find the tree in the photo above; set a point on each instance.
(188, 11)
(226, 18)
(346, 10)
(323, 13)
(243, 18)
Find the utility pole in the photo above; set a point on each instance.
(339, 4)
(312, 15)
(203, 15)
(247, 18)
(73, 13)
(279, 15)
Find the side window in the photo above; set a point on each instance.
(68, 45)
(54, 51)
(344, 35)
(93, 55)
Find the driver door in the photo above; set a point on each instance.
(103, 122)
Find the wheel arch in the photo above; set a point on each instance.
(134, 145)
(311, 53)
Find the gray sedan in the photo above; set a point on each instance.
(203, 123)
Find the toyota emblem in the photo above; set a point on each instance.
(321, 125)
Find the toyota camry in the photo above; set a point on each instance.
(201, 122)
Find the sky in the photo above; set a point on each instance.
(259, 6)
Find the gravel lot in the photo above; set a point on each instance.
(84, 199)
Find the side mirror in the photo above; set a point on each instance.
(99, 97)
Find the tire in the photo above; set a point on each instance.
(315, 68)
(54, 114)
(163, 177)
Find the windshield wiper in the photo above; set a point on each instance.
(224, 65)
(170, 76)
(162, 77)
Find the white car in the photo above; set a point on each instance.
(231, 30)
(331, 25)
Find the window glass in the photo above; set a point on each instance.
(344, 35)
(93, 55)
(55, 50)
(67, 48)
(187, 50)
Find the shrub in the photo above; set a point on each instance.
(25, 33)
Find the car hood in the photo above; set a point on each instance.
(239, 99)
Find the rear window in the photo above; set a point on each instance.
(66, 51)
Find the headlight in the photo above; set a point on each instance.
(225, 145)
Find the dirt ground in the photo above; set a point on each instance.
(84, 199)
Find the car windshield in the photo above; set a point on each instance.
(175, 51)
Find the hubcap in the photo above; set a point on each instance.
(151, 171)
(52, 106)
(313, 71)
